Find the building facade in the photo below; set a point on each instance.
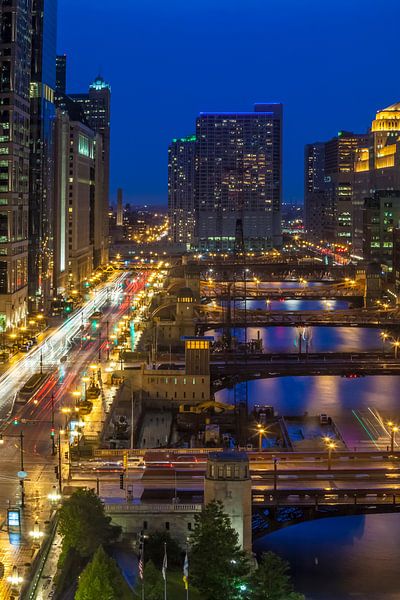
(15, 68)
(377, 165)
(96, 111)
(381, 216)
(318, 206)
(181, 190)
(239, 179)
(41, 177)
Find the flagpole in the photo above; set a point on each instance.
(165, 573)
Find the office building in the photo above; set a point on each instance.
(381, 216)
(319, 222)
(79, 199)
(239, 179)
(328, 194)
(41, 177)
(61, 73)
(95, 108)
(15, 68)
(377, 165)
(120, 209)
(181, 190)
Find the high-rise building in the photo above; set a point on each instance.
(318, 205)
(61, 73)
(120, 208)
(381, 216)
(79, 198)
(328, 193)
(15, 68)
(41, 178)
(239, 178)
(181, 190)
(377, 166)
(340, 153)
(96, 111)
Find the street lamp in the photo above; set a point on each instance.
(331, 447)
(15, 579)
(384, 337)
(36, 534)
(261, 432)
(393, 430)
(396, 345)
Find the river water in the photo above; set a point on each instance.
(343, 558)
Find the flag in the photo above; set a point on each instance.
(186, 572)
(141, 569)
(165, 563)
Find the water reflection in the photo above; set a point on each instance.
(330, 394)
(342, 558)
(323, 339)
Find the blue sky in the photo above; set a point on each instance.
(331, 62)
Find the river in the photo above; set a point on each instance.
(343, 558)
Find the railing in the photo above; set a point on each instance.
(152, 508)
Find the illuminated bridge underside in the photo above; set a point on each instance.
(216, 319)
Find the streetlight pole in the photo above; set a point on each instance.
(53, 446)
(21, 481)
(331, 446)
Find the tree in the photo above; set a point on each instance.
(154, 549)
(83, 524)
(271, 581)
(101, 579)
(217, 564)
(153, 581)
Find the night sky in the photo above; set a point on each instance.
(331, 62)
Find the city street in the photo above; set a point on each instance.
(42, 415)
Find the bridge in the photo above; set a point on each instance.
(219, 318)
(226, 290)
(230, 369)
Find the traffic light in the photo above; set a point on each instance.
(52, 434)
(56, 472)
(121, 481)
(15, 422)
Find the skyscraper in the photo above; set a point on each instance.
(15, 67)
(181, 190)
(61, 73)
(239, 178)
(41, 178)
(318, 204)
(96, 110)
(328, 193)
(377, 169)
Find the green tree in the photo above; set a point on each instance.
(271, 581)
(83, 524)
(153, 582)
(217, 564)
(154, 549)
(102, 579)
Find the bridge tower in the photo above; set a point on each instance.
(228, 481)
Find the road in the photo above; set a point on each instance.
(35, 418)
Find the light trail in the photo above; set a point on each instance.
(55, 346)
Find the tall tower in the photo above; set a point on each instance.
(239, 179)
(61, 73)
(120, 209)
(228, 481)
(181, 190)
(96, 112)
(15, 67)
(41, 180)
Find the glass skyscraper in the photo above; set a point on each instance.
(41, 201)
(181, 181)
(15, 66)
